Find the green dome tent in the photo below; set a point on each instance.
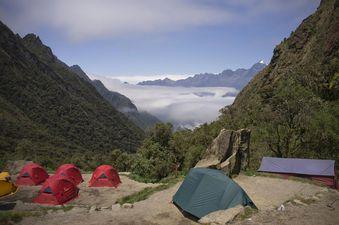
(207, 190)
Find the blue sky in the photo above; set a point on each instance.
(158, 37)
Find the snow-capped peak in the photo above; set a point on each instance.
(262, 62)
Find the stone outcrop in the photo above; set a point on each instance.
(229, 151)
(222, 217)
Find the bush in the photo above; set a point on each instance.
(192, 156)
(153, 161)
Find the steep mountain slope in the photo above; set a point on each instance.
(77, 69)
(292, 105)
(120, 102)
(227, 78)
(48, 113)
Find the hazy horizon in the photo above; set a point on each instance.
(135, 79)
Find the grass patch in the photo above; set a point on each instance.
(13, 217)
(146, 192)
(140, 178)
(166, 180)
(54, 209)
(10, 217)
(250, 172)
(141, 195)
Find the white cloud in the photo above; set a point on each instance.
(88, 19)
(178, 105)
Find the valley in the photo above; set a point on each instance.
(242, 146)
(184, 107)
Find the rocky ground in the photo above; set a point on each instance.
(304, 203)
(323, 210)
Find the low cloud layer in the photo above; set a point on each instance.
(83, 20)
(139, 78)
(188, 107)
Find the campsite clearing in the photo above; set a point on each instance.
(88, 196)
(266, 192)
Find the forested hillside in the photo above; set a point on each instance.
(120, 102)
(48, 114)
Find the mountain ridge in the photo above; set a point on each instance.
(120, 102)
(48, 113)
(227, 78)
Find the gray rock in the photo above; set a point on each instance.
(221, 217)
(93, 209)
(19, 205)
(298, 202)
(281, 208)
(127, 206)
(315, 198)
(115, 207)
(320, 195)
(229, 152)
(288, 204)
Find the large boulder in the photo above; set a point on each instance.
(229, 151)
(222, 217)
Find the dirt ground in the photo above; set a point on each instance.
(317, 213)
(100, 197)
(157, 209)
(267, 193)
(105, 196)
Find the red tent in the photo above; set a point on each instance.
(57, 190)
(105, 176)
(31, 174)
(70, 171)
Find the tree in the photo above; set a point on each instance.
(161, 133)
(286, 119)
(192, 156)
(153, 161)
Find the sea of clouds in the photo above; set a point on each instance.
(182, 106)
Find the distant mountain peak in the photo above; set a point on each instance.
(77, 69)
(33, 38)
(227, 78)
(35, 45)
(262, 62)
